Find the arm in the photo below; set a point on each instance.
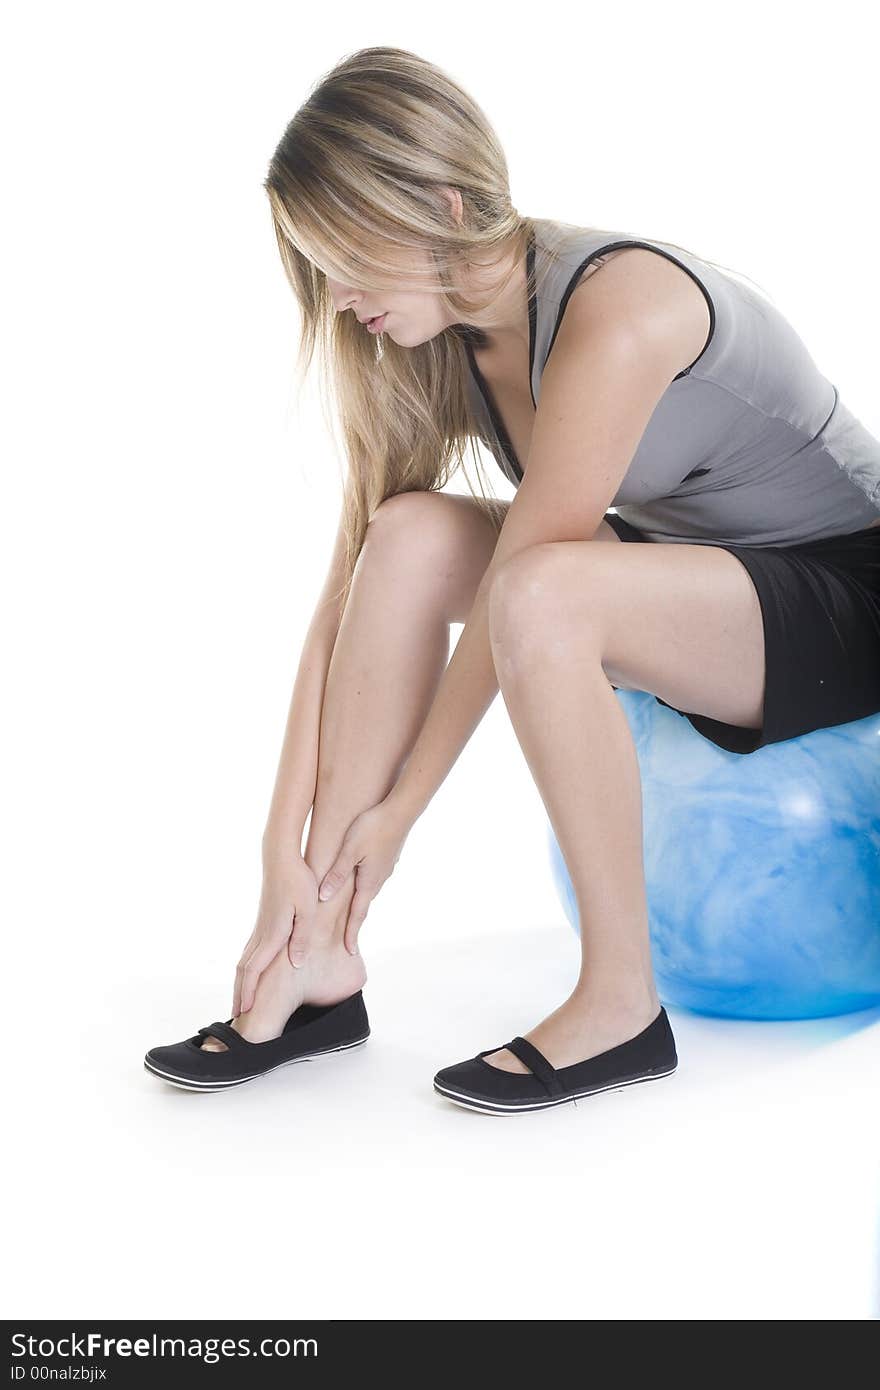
(296, 779)
(289, 889)
(622, 339)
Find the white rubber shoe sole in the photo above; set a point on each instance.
(186, 1085)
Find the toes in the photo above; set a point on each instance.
(505, 1061)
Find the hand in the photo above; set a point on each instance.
(289, 898)
(371, 847)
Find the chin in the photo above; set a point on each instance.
(406, 338)
(418, 337)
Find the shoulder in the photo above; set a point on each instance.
(636, 299)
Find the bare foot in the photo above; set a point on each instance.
(328, 975)
(579, 1029)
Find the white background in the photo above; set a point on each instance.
(168, 511)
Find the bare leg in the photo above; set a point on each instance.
(421, 565)
(566, 621)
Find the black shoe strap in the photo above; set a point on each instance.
(530, 1057)
(223, 1032)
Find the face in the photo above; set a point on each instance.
(412, 317)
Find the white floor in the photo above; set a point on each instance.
(743, 1187)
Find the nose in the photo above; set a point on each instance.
(343, 296)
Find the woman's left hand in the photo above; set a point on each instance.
(371, 847)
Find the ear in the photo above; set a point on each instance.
(453, 197)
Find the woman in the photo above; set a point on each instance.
(602, 370)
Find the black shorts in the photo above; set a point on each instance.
(820, 602)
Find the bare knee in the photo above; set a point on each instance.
(545, 602)
(404, 539)
(529, 601)
(438, 543)
(404, 513)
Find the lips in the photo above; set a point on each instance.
(375, 325)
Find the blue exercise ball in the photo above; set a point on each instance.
(762, 869)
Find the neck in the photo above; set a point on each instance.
(504, 320)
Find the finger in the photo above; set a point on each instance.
(254, 967)
(360, 905)
(301, 938)
(336, 876)
(239, 972)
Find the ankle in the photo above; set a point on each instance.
(331, 973)
(636, 1001)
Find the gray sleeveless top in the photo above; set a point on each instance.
(749, 445)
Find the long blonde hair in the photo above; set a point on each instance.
(356, 178)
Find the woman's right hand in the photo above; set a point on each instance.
(289, 895)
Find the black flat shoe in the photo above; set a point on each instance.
(480, 1086)
(309, 1032)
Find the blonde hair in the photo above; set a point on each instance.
(356, 179)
